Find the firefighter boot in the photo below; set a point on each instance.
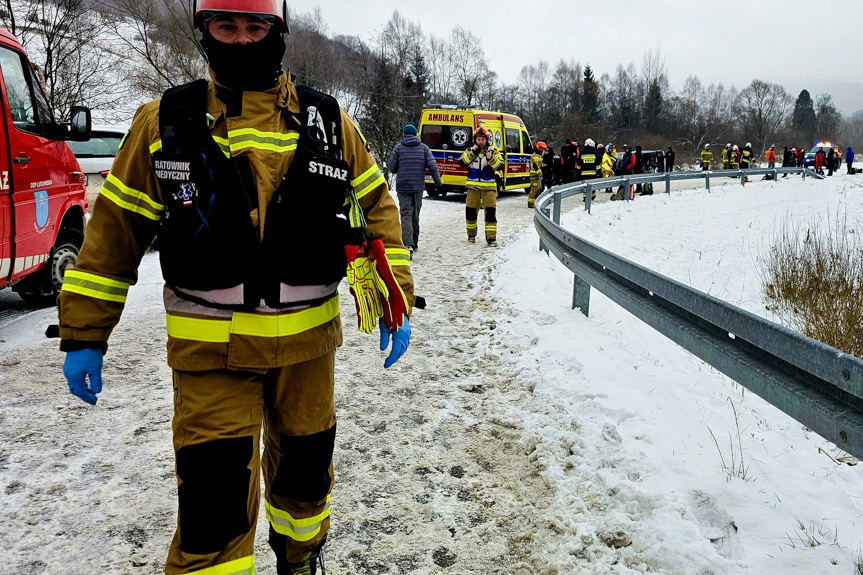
(311, 564)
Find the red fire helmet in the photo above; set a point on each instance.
(275, 10)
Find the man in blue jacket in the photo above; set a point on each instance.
(849, 158)
(409, 161)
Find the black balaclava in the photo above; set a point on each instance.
(252, 67)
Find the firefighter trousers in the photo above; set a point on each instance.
(534, 191)
(488, 200)
(220, 419)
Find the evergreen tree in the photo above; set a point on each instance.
(653, 107)
(590, 98)
(804, 119)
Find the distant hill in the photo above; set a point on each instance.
(857, 115)
(846, 95)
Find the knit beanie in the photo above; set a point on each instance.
(409, 130)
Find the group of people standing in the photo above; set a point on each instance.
(578, 162)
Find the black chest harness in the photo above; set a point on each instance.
(210, 250)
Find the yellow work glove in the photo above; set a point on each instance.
(366, 286)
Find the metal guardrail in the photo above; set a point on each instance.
(819, 386)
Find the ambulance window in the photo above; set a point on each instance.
(526, 145)
(512, 144)
(432, 136)
(17, 91)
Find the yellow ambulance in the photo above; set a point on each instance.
(448, 132)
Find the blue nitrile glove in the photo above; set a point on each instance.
(80, 364)
(401, 341)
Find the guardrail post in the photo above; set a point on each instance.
(707, 178)
(804, 174)
(555, 215)
(581, 296)
(668, 183)
(626, 188)
(742, 178)
(775, 175)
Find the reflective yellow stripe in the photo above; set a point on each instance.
(130, 199)
(368, 181)
(224, 145)
(94, 286)
(471, 225)
(123, 141)
(256, 325)
(360, 132)
(270, 141)
(244, 566)
(398, 256)
(155, 146)
(297, 529)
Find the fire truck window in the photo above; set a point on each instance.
(512, 143)
(526, 145)
(17, 91)
(44, 115)
(432, 136)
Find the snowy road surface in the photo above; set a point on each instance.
(516, 436)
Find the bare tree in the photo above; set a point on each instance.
(70, 49)
(159, 36)
(828, 119)
(762, 110)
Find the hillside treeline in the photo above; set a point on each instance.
(109, 53)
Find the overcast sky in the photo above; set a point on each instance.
(777, 40)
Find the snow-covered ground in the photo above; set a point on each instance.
(517, 436)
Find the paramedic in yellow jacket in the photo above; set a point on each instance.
(481, 161)
(536, 173)
(258, 192)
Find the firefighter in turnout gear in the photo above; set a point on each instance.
(536, 173)
(263, 196)
(587, 165)
(706, 158)
(726, 157)
(746, 157)
(481, 160)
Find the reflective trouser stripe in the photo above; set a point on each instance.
(297, 529)
(490, 227)
(91, 285)
(368, 181)
(244, 566)
(471, 225)
(398, 257)
(250, 324)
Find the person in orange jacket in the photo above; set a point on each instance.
(771, 157)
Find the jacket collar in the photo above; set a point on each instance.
(284, 91)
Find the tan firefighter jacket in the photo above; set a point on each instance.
(130, 206)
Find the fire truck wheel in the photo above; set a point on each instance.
(42, 290)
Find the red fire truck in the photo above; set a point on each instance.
(43, 208)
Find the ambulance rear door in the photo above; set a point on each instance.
(448, 134)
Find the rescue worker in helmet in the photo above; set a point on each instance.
(587, 166)
(706, 158)
(223, 173)
(608, 162)
(746, 157)
(734, 158)
(536, 173)
(726, 157)
(481, 161)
